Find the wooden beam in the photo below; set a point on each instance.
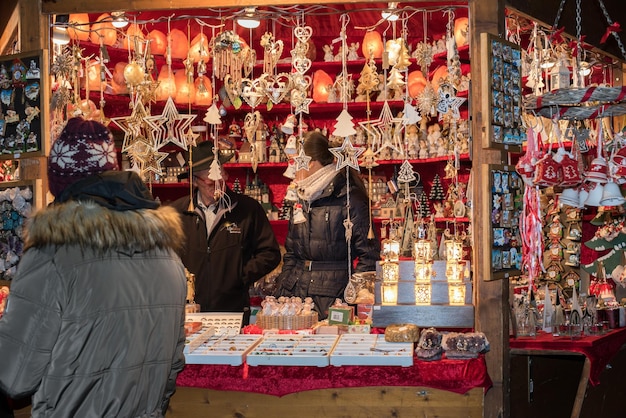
(34, 27)
(86, 6)
(11, 27)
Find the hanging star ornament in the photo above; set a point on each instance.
(347, 155)
(448, 102)
(135, 126)
(170, 126)
(302, 160)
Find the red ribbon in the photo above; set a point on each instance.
(611, 29)
(556, 35)
(574, 45)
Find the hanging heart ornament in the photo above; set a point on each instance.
(303, 33)
(301, 65)
(277, 86)
(252, 91)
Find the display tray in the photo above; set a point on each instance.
(223, 349)
(224, 322)
(293, 350)
(370, 350)
(193, 341)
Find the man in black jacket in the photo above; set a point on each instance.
(230, 243)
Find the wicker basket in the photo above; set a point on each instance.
(286, 321)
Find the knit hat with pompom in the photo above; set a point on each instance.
(83, 148)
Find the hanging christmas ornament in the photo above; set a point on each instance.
(170, 126)
(347, 155)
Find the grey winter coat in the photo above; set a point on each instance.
(94, 322)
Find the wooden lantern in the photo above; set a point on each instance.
(372, 45)
(416, 83)
(461, 31)
(78, 28)
(185, 91)
(158, 42)
(133, 33)
(204, 91)
(103, 28)
(167, 85)
(322, 83)
(179, 44)
(199, 48)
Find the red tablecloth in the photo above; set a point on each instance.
(453, 375)
(599, 349)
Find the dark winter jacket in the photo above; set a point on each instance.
(242, 249)
(316, 260)
(94, 321)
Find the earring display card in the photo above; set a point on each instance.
(501, 62)
(23, 102)
(506, 206)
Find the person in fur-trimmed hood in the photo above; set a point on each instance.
(94, 323)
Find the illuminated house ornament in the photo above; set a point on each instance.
(454, 251)
(249, 19)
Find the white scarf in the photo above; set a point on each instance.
(310, 188)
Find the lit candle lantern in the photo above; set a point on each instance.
(422, 293)
(454, 251)
(389, 293)
(391, 250)
(456, 293)
(454, 272)
(422, 271)
(391, 272)
(422, 251)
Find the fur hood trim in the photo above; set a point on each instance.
(88, 224)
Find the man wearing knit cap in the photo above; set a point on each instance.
(94, 324)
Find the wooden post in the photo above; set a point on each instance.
(491, 297)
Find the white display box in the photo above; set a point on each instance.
(292, 350)
(224, 322)
(370, 350)
(225, 349)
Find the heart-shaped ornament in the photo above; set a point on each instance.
(301, 82)
(301, 65)
(277, 86)
(303, 33)
(297, 97)
(252, 91)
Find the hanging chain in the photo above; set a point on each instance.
(558, 14)
(610, 22)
